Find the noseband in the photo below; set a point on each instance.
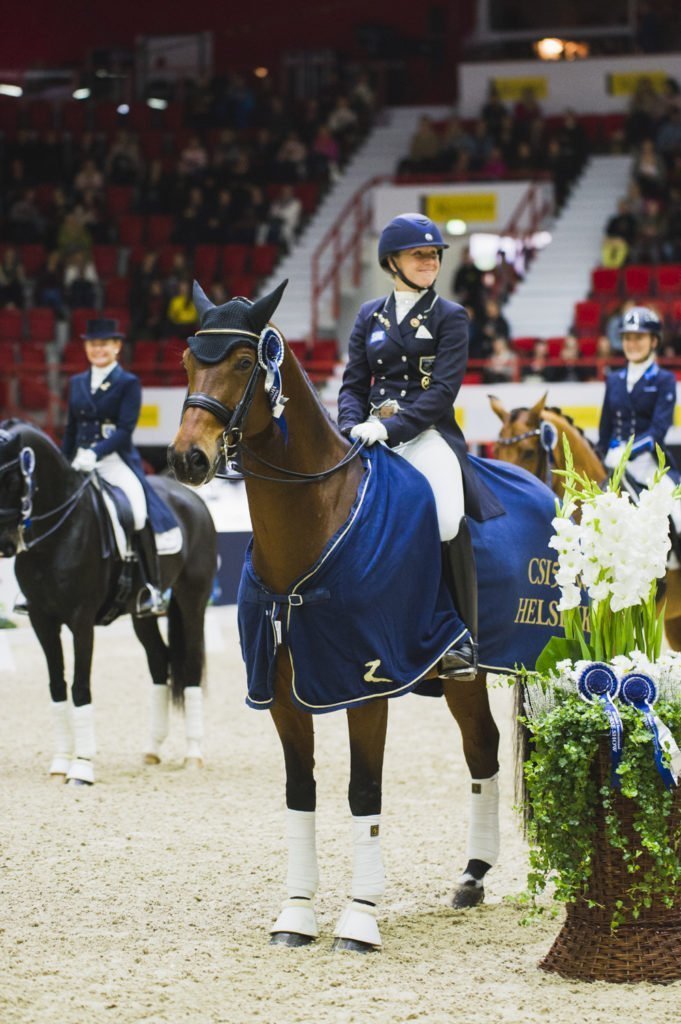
(233, 444)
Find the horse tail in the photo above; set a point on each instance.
(186, 660)
(523, 748)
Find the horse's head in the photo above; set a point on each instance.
(519, 440)
(16, 466)
(234, 351)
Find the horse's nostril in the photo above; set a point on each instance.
(198, 460)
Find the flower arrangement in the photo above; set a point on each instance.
(606, 678)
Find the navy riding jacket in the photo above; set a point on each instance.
(105, 421)
(420, 364)
(647, 411)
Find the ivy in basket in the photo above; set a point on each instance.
(615, 553)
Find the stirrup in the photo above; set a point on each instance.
(20, 606)
(460, 662)
(151, 601)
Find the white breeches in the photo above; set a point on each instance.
(431, 455)
(643, 469)
(112, 469)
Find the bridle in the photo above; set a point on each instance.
(548, 438)
(233, 445)
(26, 462)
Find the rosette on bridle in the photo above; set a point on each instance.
(222, 329)
(599, 682)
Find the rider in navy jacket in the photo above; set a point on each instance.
(406, 359)
(639, 400)
(103, 409)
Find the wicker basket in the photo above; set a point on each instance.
(647, 949)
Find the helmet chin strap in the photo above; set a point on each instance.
(403, 278)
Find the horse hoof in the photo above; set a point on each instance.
(341, 945)
(59, 777)
(151, 759)
(291, 939)
(193, 763)
(78, 782)
(467, 896)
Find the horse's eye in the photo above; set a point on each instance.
(245, 363)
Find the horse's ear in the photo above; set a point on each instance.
(538, 408)
(499, 409)
(201, 300)
(260, 313)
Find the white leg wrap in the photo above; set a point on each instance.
(368, 878)
(483, 828)
(84, 731)
(159, 704)
(303, 873)
(63, 737)
(193, 720)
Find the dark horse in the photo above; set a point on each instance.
(229, 409)
(52, 517)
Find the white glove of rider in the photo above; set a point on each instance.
(613, 456)
(370, 431)
(85, 460)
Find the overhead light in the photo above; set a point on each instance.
(261, 72)
(123, 108)
(540, 239)
(552, 48)
(157, 103)
(456, 227)
(81, 94)
(10, 90)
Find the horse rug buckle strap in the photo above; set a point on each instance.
(251, 593)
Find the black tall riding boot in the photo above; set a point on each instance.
(461, 662)
(150, 599)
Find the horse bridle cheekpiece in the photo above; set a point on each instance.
(223, 328)
(25, 460)
(548, 439)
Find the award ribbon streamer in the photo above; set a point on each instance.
(598, 681)
(639, 691)
(270, 357)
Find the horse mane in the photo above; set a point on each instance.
(13, 424)
(315, 394)
(557, 411)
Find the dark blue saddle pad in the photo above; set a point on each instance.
(122, 506)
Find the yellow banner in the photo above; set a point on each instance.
(514, 87)
(466, 206)
(149, 416)
(625, 83)
(585, 416)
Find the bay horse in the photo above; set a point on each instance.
(228, 412)
(524, 441)
(53, 520)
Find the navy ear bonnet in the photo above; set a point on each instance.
(237, 322)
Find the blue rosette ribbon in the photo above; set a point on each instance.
(640, 692)
(270, 357)
(599, 682)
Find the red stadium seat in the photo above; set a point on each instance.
(234, 259)
(605, 283)
(327, 349)
(263, 258)
(79, 319)
(299, 349)
(145, 355)
(40, 324)
(524, 345)
(120, 313)
(667, 277)
(554, 347)
(675, 311)
(587, 347)
(119, 199)
(130, 229)
(11, 324)
(117, 291)
(587, 317)
(73, 358)
(106, 260)
(74, 117)
(33, 258)
(638, 281)
(206, 258)
(166, 257)
(159, 229)
(242, 284)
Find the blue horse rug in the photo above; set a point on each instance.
(373, 615)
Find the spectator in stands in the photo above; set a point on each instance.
(573, 143)
(193, 159)
(645, 110)
(157, 192)
(483, 144)
(649, 170)
(525, 113)
(190, 226)
(522, 161)
(614, 252)
(623, 223)
(536, 369)
(424, 148)
(89, 177)
(668, 138)
(479, 346)
(672, 243)
(603, 353)
(614, 324)
(453, 141)
(81, 281)
(218, 228)
(493, 112)
(494, 324)
(25, 222)
(290, 162)
(49, 284)
(343, 124)
(90, 212)
(652, 232)
(559, 165)
(285, 213)
(362, 100)
(73, 235)
(149, 317)
(181, 313)
(494, 166)
(324, 156)
(570, 371)
(467, 284)
(506, 277)
(179, 271)
(12, 280)
(124, 163)
(502, 364)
